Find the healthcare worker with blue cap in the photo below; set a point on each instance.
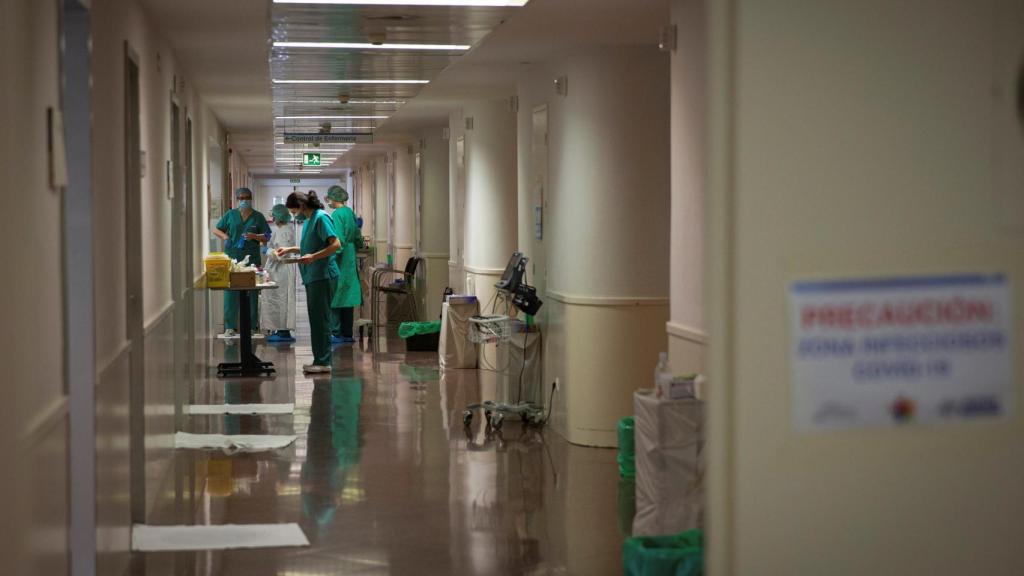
(277, 314)
(348, 294)
(319, 270)
(243, 230)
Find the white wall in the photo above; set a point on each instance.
(114, 22)
(265, 189)
(33, 415)
(853, 139)
(405, 204)
(434, 222)
(490, 218)
(381, 227)
(456, 202)
(606, 231)
(687, 335)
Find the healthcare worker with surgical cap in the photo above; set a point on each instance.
(319, 270)
(348, 294)
(243, 230)
(278, 310)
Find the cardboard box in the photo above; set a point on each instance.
(243, 279)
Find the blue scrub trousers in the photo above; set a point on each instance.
(342, 321)
(231, 309)
(318, 305)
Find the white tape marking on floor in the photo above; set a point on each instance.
(233, 443)
(228, 536)
(214, 409)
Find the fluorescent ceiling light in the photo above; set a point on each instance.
(368, 46)
(409, 2)
(276, 81)
(330, 118)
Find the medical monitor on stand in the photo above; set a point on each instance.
(513, 275)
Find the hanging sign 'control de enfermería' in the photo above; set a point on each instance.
(893, 351)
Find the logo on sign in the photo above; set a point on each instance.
(903, 409)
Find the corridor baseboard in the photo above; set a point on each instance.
(225, 537)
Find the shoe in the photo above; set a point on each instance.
(276, 338)
(228, 334)
(348, 340)
(337, 340)
(316, 369)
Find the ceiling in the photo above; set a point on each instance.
(222, 45)
(432, 38)
(234, 71)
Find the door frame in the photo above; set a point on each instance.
(75, 74)
(134, 317)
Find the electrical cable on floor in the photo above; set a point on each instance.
(551, 404)
(526, 334)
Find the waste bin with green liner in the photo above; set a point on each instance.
(679, 555)
(420, 336)
(627, 447)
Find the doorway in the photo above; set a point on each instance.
(133, 283)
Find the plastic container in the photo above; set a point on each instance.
(627, 505)
(662, 377)
(627, 448)
(218, 270)
(680, 555)
(420, 336)
(423, 342)
(410, 329)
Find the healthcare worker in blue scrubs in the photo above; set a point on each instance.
(348, 294)
(243, 230)
(319, 270)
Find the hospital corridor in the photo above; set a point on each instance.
(512, 287)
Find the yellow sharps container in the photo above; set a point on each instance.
(218, 270)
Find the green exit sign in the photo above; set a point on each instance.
(310, 158)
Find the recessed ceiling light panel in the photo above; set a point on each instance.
(368, 46)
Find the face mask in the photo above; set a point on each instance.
(299, 216)
(245, 205)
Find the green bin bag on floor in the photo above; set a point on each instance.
(680, 555)
(627, 448)
(410, 329)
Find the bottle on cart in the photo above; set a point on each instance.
(662, 377)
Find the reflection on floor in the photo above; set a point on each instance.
(384, 480)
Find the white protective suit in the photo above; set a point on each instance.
(277, 307)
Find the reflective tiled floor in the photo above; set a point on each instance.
(384, 479)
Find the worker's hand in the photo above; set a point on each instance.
(254, 236)
(307, 259)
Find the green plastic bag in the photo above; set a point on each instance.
(680, 555)
(627, 447)
(410, 329)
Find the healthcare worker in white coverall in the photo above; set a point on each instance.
(278, 309)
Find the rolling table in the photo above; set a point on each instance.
(250, 364)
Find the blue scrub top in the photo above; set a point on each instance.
(233, 225)
(316, 233)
